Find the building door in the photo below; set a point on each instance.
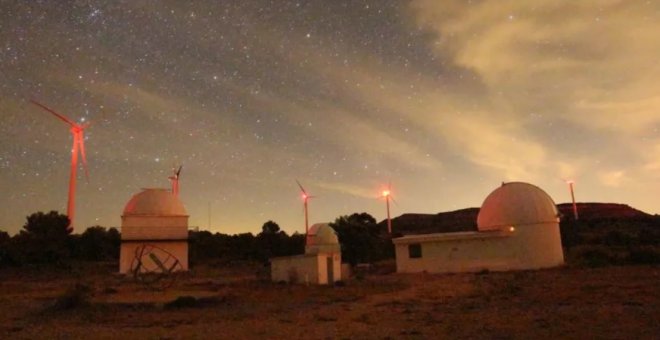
(331, 267)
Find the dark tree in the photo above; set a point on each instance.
(360, 238)
(98, 244)
(271, 241)
(205, 246)
(44, 238)
(270, 227)
(6, 257)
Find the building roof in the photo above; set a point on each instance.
(155, 202)
(321, 234)
(514, 204)
(452, 236)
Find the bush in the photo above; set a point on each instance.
(188, 301)
(596, 256)
(182, 302)
(616, 238)
(75, 297)
(645, 255)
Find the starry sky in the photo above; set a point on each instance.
(444, 99)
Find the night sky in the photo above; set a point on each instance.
(445, 99)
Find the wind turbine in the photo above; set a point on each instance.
(386, 194)
(77, 131)
(175, 179)
(305, 198)
(570, 186)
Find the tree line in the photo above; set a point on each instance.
(46, 240)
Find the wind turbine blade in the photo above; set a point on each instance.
(394, 201)
(81, 144)
(301, 188)
(66, 120)
(178, 172)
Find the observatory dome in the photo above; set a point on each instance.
(155, 202)
(321, 234)
(515, 204)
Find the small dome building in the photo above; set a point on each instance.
(321, 238)
(518, 228)
(154, 233)
(321, 263)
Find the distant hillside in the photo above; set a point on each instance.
(466, 219)
(591, 211)
(458, 220)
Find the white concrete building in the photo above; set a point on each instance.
(321, 263)
(518, 228)
(154, 233)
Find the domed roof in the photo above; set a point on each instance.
(321, 234)
(155, 202)
(516, 203)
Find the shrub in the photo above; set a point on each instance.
(75, 297)
(596, 256)
(616, 238)
(182, 302)
(645, 255)
(188, 301)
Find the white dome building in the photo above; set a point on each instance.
(155, 220)
(516, 203)
(518, 228)
(321, 238)
(321, 263)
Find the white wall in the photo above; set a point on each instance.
(310, 268)
(295, 269)
(528, 247)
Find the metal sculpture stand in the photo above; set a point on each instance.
(155, 267)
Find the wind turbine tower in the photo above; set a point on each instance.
(387, 196)
(570, 186)
(174, 179)
(305, 198)
(77, 130)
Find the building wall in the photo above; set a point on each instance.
(178, 232)
(295, 269)
(528, 247)
(337, 269)
(310, 268)
(153, 220)
(178, 249)
(169, 233)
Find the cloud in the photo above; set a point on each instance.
(589, 67)
(652, 164)
(591, 62)
(612, 178)
(494, 140)
(345, 188)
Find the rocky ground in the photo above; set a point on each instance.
(92, 302)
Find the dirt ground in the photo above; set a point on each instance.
(566, 303)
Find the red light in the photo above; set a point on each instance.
(386, 193)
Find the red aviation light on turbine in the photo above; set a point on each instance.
(386, 193)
